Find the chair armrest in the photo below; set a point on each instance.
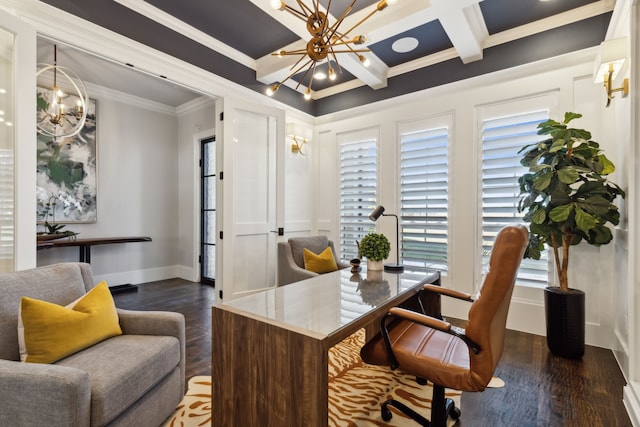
(421, 319)
(448, 292)
(43, 395)
(159, 323)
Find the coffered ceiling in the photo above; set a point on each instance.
(452, 40)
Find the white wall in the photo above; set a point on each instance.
(299, 180)
(137, 145)
(567, 79)
(196, 122)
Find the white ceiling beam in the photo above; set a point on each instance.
(467, 31)
(173, 23)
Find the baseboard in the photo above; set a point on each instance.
(631, 401)
(138, 276)
(188, 273)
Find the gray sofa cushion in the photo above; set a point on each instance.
(143, 361)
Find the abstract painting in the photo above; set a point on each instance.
(66, 171)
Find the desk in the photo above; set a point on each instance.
(85, 244)
(270, 349)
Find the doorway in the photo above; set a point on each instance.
(208, 211)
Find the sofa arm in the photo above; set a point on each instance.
(288, 270)
(160, 323)
(35, 394)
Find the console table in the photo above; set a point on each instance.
(85, 244)
(85, 251)
(270, 349)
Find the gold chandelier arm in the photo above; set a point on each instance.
(381, 6)
(311, 68)
(349, 50)
(344, 42)
(290, 52)
(331, 31)
(299, 61)
(306, 11)
(296, 71)
(295, 12)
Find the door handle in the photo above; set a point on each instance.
(280, 231)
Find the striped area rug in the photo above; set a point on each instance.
(356, 391)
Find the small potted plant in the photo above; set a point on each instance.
(374, 247)
(567, 199)
(53, 230)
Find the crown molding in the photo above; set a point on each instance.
(546, 24)
(196, 104)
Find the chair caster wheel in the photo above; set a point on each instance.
(385, 413)
(454, 414)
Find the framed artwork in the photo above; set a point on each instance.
(66, 171)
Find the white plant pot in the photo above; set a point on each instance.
(374, 265)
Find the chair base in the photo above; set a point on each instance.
(441, 409)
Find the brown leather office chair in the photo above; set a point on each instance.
(451, 357)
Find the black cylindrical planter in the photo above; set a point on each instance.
(565, 315)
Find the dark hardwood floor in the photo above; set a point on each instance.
(541, 390)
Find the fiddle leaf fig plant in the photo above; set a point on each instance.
(375, 247)
(565, 195)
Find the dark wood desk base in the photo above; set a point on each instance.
(265, 372)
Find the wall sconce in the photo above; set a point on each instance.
(296, 147)
(609, 62)
(299, 137)
(377, 213)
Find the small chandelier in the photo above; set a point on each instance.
(56, 119)
(326, 41)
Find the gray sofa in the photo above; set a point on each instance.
(135, 379)
(291, 259)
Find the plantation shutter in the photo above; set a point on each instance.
(502, 138)
(357, 193)
(424, 204)
(6, 210)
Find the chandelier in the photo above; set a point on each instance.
(56, 119)
(326, 40)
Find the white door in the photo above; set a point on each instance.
(250, 203)
(17, 144)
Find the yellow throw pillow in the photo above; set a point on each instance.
(319, 263)
(52, 332)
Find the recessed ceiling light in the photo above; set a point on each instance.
(404, 45)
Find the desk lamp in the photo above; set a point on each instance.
(377, 213)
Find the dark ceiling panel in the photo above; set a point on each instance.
(501, 15)
(239, 24)
(242, 18)
(431, 39)
(559, 41)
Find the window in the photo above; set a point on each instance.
(424, 204)
(358, 157)
(502, 138)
